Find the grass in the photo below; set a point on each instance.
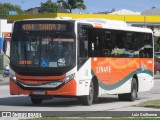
(150, 104)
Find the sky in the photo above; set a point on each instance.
(96, 5)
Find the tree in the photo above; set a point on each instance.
(48, 7)
(6, 7)
(72, 4)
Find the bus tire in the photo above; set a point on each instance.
(36, 101)
(130, 96)
(133, 95)
(88, 99)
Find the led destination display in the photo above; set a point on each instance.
(44, 27)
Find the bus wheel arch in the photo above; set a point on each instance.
(132, 96)
(93, 93)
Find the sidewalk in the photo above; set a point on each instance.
(4, 80)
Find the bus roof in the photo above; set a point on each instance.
(103, 23)
(115, 24)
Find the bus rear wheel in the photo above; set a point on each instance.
(133, 95)
(130, 96)
(88, 100)
(36, 101)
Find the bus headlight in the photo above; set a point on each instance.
(68, 78)
(12, 76)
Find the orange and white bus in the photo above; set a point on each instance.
(81, 58)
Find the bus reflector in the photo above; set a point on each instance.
(96, 25)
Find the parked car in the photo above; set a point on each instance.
(6, 71)
(156, 67)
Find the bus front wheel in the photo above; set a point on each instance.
(88, 100)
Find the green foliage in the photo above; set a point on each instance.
(6, 7)
(157, 47)
(48, 7)
(72, 4)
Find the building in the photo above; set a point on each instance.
(152, 11)
(125, 12)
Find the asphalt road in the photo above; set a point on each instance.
(105, 103)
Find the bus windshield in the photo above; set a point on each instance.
(42, 46)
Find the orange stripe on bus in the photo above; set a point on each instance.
(112, 70)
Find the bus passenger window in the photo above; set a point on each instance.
(144, 44)
(107, 36)
(107, 44)
(94, 42)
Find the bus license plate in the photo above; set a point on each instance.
(38, 92)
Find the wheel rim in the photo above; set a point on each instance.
(91, 92)
(134, 92)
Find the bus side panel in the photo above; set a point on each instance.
(108, 74)
(145, 74)
(115, 74)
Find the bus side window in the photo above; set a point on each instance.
(107, 44)
(95, 45)
(148, 45)
(118, 44)
(144, 44)
(129, 45)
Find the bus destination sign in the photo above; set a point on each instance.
(44, 27)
